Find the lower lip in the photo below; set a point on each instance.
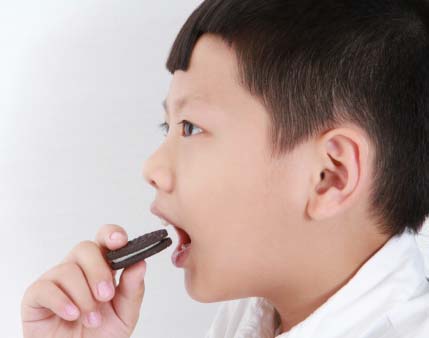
(179, 256)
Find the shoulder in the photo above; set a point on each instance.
(410, 318)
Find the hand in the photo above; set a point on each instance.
(74, 281)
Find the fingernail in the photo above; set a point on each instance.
(105, 289)
(72, 310)
(117, 236)
(93, 318)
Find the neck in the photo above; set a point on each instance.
(316, 282)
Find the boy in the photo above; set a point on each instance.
(304, 184)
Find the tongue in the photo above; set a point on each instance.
(183, 237)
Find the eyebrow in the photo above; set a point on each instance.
(180, 103)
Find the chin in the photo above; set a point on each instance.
(203, 292)
(199, 290)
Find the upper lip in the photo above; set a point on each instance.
(154, 209)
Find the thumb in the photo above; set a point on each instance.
(129, 293)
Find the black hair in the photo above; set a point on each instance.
(315, 64)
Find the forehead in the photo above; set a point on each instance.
(211, 76)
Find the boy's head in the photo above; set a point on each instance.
(308, 141)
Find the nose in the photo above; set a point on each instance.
(148, 173)
(157, 173)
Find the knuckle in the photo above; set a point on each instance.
(37, 285)
(84, 245)
(31, 289)
(68, 268)
(61, 271)
(53, 272)
(59, 274)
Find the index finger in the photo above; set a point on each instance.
(111, 237)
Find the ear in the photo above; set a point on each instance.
(341, 163)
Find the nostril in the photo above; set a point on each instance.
(152, 183)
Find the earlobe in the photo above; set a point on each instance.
(338, 174)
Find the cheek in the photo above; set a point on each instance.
(234, 207)
(231, 222)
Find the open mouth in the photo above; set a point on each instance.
(184, 238)
(183, 248)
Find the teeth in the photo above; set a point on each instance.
(184, 246)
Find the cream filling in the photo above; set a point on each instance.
(133, 253)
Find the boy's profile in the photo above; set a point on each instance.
(297, 161)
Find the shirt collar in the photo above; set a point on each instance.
(391, 275)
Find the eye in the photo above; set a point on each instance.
(165, 127)
(190, 124)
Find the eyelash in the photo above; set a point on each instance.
(164, 126)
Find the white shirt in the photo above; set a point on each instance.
(387, 298)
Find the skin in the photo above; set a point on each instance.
(74, 281)
(259, 227)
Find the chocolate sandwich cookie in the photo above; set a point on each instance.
(138, 249)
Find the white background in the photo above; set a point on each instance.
(81, 85)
